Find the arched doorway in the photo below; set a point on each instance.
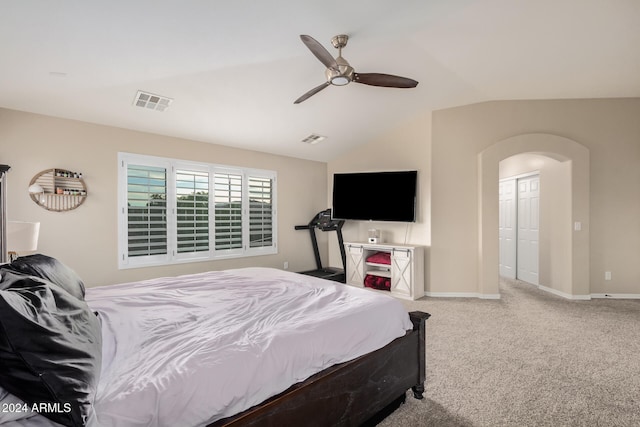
(575, 271)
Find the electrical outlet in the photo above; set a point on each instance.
(286, 265)
(607, 275)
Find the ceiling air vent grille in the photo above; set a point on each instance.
(314, 139)
(151, 101)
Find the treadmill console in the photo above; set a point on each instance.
(324, 222)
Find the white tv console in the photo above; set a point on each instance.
(406, 269)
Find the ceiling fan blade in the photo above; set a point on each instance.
(386, 80)
(320, 52)
(311, 92)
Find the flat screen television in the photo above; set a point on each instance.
(375, 196)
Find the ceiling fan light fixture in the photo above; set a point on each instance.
(340, 81)
(340, 77)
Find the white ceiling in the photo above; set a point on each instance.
(234, 68)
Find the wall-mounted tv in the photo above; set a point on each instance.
(375, 196)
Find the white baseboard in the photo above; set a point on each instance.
(616, 296)
(543, 288)
(461, 295)
(564, 294)
(588, 296)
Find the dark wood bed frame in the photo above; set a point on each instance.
(348, 394)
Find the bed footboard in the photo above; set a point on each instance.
(350, 393)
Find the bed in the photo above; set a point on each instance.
(242, 347)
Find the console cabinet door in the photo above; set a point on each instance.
(355, 265)
(401, 272)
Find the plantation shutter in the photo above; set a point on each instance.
(146, 210)
(192, 202)
(176, 211)
(228, 210)
(260, 212)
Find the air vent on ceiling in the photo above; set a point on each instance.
(151, 101)
(314, 139)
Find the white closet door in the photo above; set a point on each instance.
(507, 228)
(528, 228)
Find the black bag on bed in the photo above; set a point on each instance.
(50, 345)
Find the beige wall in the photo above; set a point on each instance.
(86, 238)
(610, 132)
(444, 146)
(405, 148)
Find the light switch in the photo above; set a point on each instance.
(577, 226)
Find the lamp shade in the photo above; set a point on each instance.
(22, 236)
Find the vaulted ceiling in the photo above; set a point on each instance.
(234, 68)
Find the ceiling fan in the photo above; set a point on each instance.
(340, 73)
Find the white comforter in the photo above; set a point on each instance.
(187, 351)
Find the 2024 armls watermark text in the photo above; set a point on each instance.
(39, 407)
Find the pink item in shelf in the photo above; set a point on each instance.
(377, 282)
(380, 258)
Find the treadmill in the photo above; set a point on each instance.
(323, 222)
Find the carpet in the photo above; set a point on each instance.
(528, 359)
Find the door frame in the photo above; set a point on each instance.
(507, 255)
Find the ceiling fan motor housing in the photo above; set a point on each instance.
(343, 75)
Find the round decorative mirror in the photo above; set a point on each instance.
(58, 190)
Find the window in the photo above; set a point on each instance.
(174, 211)
(228, 211)
(192, 219)
(260, 212)
(146, 210)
